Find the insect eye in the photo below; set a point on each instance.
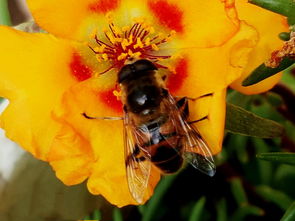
(125, 73)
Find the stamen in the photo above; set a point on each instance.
(126, 43)
(117, 93)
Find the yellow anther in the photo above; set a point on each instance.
(105, 57)
(130, 39)
(118, 94)
(93, 33)
(136, 55)
(155, 47)
(172, 33)
(151, 30)
(98, 58)
(125, 28)
(118, 40)
(162, 36)
(122, 56)
(99, 49)
(96, 49)
(147, 41)
(111, 37)
(139, 20)
(110, 17)
(138, 44)
(130, 53)
(171, 69)
(117, 30)
(124, 44)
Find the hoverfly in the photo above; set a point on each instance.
(156, 130)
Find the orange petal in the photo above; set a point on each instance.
(212, 128)
(35, 71)
(200, 71)
(198, 23)
(78, 19)
(267, 43)
(94, 147)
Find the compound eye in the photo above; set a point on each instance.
(125, 73)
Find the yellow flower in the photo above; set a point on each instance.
(268, 42)
(50, 79)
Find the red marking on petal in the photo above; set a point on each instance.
(79, 70)
(175, 81)
(111, 100)
(169, 15)
(103, 6)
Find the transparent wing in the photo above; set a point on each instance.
(137, 159)
(197, 152)
(195, 149)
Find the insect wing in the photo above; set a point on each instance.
(197, 152)
(138, 164)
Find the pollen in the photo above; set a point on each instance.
(122, 56)
(127, 43)
(118, 94)
(138, 44)
(155, 47)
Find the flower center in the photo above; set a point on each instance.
(129, 43)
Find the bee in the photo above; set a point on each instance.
(156, 128)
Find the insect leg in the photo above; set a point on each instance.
(101, 118)
(182, 106)
(196, 121)
(197, 98)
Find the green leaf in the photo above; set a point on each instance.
(263, 169)
(96, 215)
(243, 122)
(290, 213)
(197, 210)
(279, 157)
(4, 13)
(289, 80)
(283, 7)
(275, 196)
(245, 211)
(262, 72)
(117, 215)
(222, 210)
(154, 203)
(238, 191)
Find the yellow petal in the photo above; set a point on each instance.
(212, 128)
(94, 147)
(34, 73)
(198, 23)
(77, 19)
(267, 43)
(201, 71)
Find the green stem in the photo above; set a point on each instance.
(4, 13)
